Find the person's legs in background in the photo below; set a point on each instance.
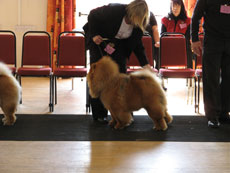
(225, 84)
(212, 55)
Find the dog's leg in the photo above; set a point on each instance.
(129, 119)
(168, 117)
(9, 120)
(125, 119)
(115, 121)
(119, 123)
(112, 122)
(162, 123)
(120, 119)
(157, 115)
(9, 116)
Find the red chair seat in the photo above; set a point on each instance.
(70, 72)
(27, 71)
(177, 73)
(130, 70)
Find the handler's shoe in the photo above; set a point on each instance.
(213, 123)
(102, 120)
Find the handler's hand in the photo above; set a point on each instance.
(148, 67)
(97, 39)
(157, 44)
(196, 47)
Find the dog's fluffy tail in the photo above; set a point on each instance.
(4, 70)
(144, 73)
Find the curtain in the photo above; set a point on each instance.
(189, 6)
(60, 17)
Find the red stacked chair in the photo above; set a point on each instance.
(36, 58)
(173, 57)
(8, 49)
(71, 58)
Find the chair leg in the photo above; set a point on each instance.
(189, 84)
(192, 90)
(72, 83)
(188, 92)
(87, 99)
(55, 89)
(51, 94)
(195, 97)
(198, 104)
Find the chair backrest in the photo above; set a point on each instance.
(199, 58)
(173, 51)
(147, 43)
(8, 47)
(36, 48)
(71, 49)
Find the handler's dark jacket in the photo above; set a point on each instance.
(216, 24)
(106, 21)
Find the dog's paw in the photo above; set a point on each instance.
(8, 122)
(118, 126)
(128, 124)
(160, 129)
(164, 129)
(168, 120)
(112, 123)
(132, 120)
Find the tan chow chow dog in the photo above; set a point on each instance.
(121, 94)
(9, 94)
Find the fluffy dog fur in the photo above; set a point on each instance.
(121, 94)
(9, 94)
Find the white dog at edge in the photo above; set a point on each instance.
(9, 94)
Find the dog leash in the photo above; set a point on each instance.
(108, 47)
(100, 50)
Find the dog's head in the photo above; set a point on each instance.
(100, 74)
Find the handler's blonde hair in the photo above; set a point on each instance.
(138, 13)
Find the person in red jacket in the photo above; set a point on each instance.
(177, 21)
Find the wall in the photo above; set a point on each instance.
(22, 15)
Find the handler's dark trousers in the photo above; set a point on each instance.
(96, 52)
(216, 76)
